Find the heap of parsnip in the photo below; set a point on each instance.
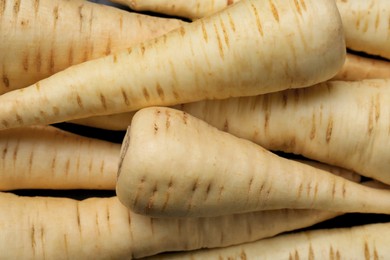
(205, 104)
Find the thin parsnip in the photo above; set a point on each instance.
(40, 38)
(173, 164)
(366, 25)
(116, 122)
(231, 53)
(102, 228)
(191, 9)
(338, 123)
(49, 158)
(357, 67)
(370, 241)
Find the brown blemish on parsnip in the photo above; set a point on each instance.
(160, 91)
(205, 36)
(274, 11)
(103, 101)
(258, 22)
(146, 94)
(79, 101)
(231, 22)
(329, 130)
(125, 98)
(297, 7)
(16, 7)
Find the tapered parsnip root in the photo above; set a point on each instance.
(208, 172)
(231, 53)
(102, 228)
(366, 25)
(192, 9)
(369, 241)
(360, 68)
(48, 158)
(40, 38)
(339, 123)
(116, 122)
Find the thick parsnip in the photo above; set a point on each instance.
(232, 53)
(102, 228)
(369, 241)
(360, 68)
(339, 123)
(173, 164)
(40, 38)
(366, 25)
(192, 9)
(48, 158)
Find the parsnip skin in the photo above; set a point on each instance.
(366, 25)
(192, 9)
(44, 157)
(360, 68)
(37, 38)
(338, 123)
(102, 228)
(360, 242)
(173, 164)
(223, 55)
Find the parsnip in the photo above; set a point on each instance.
(366, 25)
(49, 158)
(114, 122)
(102, 228)
(173, 164)
(192, 9)
(360, 68)
(369, 241)
(40, 38)
(339, 123)
(231, 53)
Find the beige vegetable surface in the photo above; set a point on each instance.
(48, 158)
(231, 53)
(102, 228)
(366, 25)
(359, 242)
(208, 172)
(340, 123)
(40, 38)
(357, 67)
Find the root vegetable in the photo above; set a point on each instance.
(231, 53)
(193, 9)
(360, 242)
(49, 158)
(366, 25)
(338, 123)
(360, 68)
(173, 164)
(102, 228)
(40, 38)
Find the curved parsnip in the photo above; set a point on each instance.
(40, 38)
(102, 228)
(231, 53)
(192, 9)
(369, 241)
(48, 158)
(173, 164)
(366, 25)
(339, 123)
(360, 68)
